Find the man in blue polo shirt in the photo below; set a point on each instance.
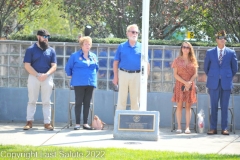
(40, 62)
(126, 68)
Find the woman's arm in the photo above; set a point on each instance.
(177, 77)
(195, 75)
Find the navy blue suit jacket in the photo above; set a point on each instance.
(225, 71)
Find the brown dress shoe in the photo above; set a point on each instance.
(212, 132)
(28, 125)
(225, 132)
(48, 127)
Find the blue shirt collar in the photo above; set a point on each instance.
(90, 55)
(134, 45)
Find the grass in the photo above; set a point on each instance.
(53, 153)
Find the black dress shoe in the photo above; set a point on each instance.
(88, 128)
(225, 132)
(212, 132)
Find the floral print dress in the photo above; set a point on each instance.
(185, 72)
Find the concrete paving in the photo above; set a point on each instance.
(12, 133)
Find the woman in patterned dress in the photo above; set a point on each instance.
(185, 71)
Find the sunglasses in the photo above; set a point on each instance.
(46, 37)
(185, 47)
(221, 37)
(134, 32)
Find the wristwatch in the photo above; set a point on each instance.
(47, 74)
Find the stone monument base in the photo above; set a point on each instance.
(136, 125)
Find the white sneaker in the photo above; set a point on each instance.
(179, 131)
(187, 131)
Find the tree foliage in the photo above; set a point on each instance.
(51, 20)
(17, 13)
(166, 16)
(213, 15)
(113, 16)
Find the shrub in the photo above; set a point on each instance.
(119, 40)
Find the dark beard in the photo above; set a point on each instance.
(43, 45)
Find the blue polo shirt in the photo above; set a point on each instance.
(40, 60)
(82, 72)
(129, 57)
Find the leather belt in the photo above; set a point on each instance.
(137, 71)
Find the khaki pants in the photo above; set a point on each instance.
(129, 81)
(34, 86)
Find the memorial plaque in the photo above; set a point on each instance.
(136, 125)
(136, 122)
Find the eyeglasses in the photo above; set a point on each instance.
(185, 47)
(221, 37)
(134, 32)
(46, 37)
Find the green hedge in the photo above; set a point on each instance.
(118, 40)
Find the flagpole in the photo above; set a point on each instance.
(144, 56)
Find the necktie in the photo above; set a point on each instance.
(220, 57)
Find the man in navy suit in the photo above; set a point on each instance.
(220, 65)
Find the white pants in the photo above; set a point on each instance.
(129, 81)
(34, 86)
